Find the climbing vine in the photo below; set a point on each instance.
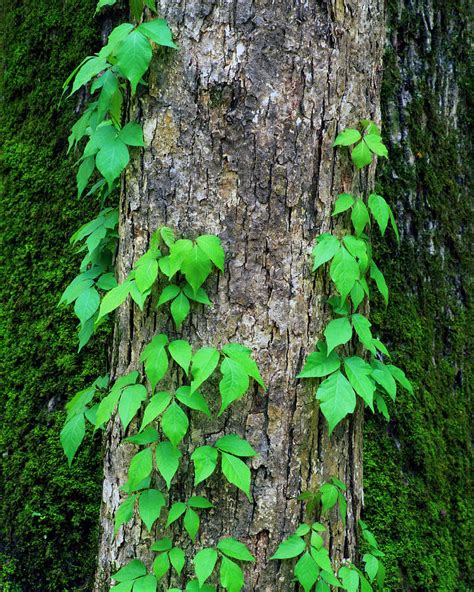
(171, 273)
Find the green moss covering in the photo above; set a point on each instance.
(48, 512)
(418, 469)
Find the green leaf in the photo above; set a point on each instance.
(362, 328)
(347, 137)
(145, 584)
(381, 405)
(86, 304)
(337, 399)
(181, 353)
(350, 579)
(179, 309)
(116, 37)
(203, 365)
(149, 506)
(134, 569)
(177, 559)
(155, 358)
(380, 211)
(148, 436)
(204, 563)
(358, 372)
(130, 402)
(235, 445)
(174, 423)
(163, 544)
(114, 299)
(371, 565)
(306, 571)
(168, 294)
(72, 435)
(361, 155)
(179, 250)
(343, 203)
(112, 159)
(75, 288)
(161, 565)
(379, 279)
(211, 245)
(157, 405)
(191, 523)
(197, 501)
(330, 578)
(91, 68)
(106, 408)
(328, 496)
(400, 377)
(289, 548)
(107, 281)
(357, 247)
(192, 400)
(375, 144)
(319, 364)
(302, 530)
(158, 31)
(176, 511)
(344, 272)
(196, 267)
(382, 375)
(84, 173)
(321, 557)
(326, 248)
(231, 575)
(321, 586)
(146, 274)
(235, 549)
(242, 355)
(338, 332)
(236, 472)
(141, 466)
(357, 295)
(134, 57)
(394, 225)
(200, 296)
(205, 461)
(234, 383)
(193, 586)
(360, 216)
(167, 461)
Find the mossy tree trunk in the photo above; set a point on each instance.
(239, 126)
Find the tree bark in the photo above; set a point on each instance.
(239, 125)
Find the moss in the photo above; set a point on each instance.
(49, 513)
(418, 469)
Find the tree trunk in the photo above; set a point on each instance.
(239, 125)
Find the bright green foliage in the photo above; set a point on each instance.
(364, 146)
(231, 576)
(351, 263)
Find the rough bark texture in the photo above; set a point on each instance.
(239, 125)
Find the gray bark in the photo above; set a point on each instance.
(239, 125)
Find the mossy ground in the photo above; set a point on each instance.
(48, 512)
(418, 469)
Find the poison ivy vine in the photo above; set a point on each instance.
(351, 268)
(106, 142)
(352, 359)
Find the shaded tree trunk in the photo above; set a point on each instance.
(239, 126)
